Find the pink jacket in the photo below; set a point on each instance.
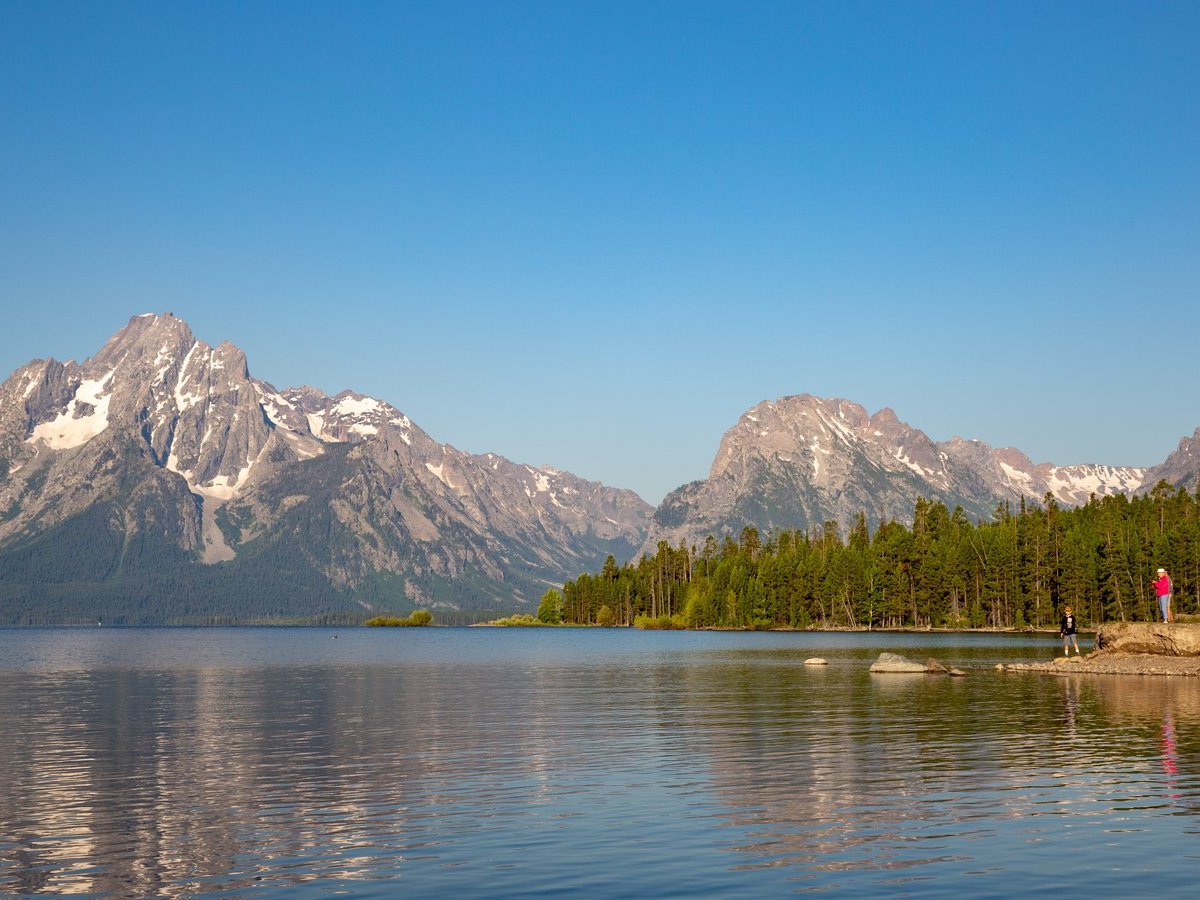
(1162, 586)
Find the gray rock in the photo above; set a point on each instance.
(816, 661)
(894, 662)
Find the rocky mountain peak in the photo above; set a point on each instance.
(1013, 457)
(793, 430)
(143, 340)
(801, 461)
(1181, 468)
(886, 418)
(351, 416)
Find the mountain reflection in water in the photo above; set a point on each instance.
(492, 762)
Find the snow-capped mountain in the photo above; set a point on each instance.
(158, 481)
(801, 461)
(161, 454)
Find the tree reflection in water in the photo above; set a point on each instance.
(517, 765)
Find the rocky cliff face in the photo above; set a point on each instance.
(801, 461)
(161, 441)
(1181, 468)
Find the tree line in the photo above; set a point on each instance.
(1017, 570)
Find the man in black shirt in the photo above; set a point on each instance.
(1067, 630)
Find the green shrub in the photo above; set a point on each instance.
(660, 623)
(418, 618)
(520, 620)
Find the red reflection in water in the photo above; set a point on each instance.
(1170, 756)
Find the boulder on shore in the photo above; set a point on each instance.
(1156, 638)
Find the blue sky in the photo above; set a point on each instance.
(592, 234)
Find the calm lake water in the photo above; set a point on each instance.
(519, 762)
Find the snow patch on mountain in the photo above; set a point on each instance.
(439, 472)
(316, 424)
(358, 406)
(903, 458)
(85, 417)
(1022, 481)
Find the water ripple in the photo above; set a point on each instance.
(515, 765)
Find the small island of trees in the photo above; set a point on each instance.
(416, 619)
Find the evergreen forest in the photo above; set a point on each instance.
(1016, 571)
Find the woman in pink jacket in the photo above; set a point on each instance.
(1162, 590)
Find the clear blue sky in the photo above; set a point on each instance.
(592, 234)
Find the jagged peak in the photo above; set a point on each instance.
(957, 441)
(350, 415)
(154, 325)
(1014, 457)
(306, 397)
(352, 403)
(146, 335)
(228, 355)
(886, 416)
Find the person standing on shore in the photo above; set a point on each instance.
(1162, 590)
(1067, 629)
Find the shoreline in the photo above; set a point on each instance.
(1101, 662)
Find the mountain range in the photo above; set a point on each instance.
(158, 481)
(800, 461)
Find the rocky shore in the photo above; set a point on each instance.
(1130, 648)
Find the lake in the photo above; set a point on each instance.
(483, 762)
